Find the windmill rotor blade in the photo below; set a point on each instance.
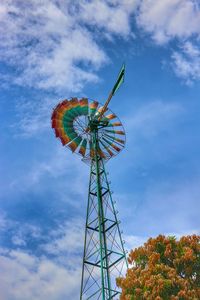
(75, 143)
(114, 142)
(111, 144)
(83, 146)
(115, 131)
(93, 107)
(113, 138)
(100, 109)
(59, 132)
(114, 124)
(64, 140)
(110, 116)
(107, 149)
(101, 153)
(83, 106)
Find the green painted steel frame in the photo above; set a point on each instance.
(99, 230)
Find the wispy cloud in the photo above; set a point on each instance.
(18, 233)
(52, 45)
(112, 16)
(179, 21)
(186, 62)
(65, 243)
(42, 41)
(33, 116)
(55, 45)
(56, 167)
(168, 19)
(26, 275)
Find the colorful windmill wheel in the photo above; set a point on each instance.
(71, 119)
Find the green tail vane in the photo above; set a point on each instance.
(120, 80)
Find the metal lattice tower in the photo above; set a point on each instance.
(89, 129)
(104, 255)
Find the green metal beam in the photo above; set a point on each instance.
(102, 239)
(103, 247)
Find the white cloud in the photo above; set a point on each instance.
(50, 174)
(56, 46)
(24, 276)
(113, 16)
(42, 41)
(18, 234)
(178, 21)
(168, 19)
(18, 241)
(33, 116)
(50, 45)
(67, 239)
(186, 62)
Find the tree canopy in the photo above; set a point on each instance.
(163, 268)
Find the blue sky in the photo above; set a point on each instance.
(51, 50)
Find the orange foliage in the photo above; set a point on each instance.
(163, 269)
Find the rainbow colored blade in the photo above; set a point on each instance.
(83, 146)
(71, 121)
(93, 107)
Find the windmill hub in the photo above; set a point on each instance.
(95, 124)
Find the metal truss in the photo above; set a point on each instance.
(104, 256)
